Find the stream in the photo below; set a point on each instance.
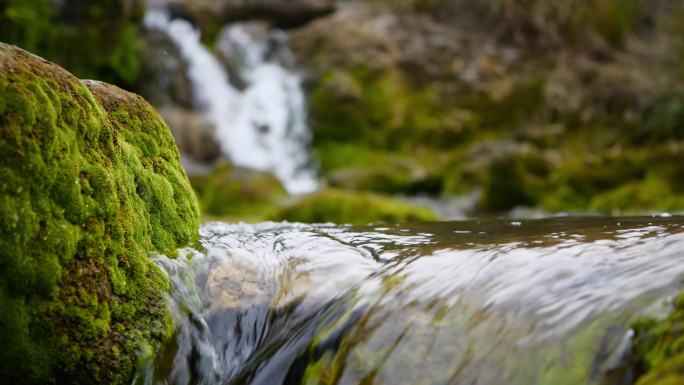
(545, 301)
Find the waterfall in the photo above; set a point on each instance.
(262, 126)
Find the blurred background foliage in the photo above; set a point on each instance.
(468, 107)
(93, 39)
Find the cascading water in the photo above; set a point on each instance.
(261, 127)
(493, 302)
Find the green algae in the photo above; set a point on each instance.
(339, 206)
(90, 184)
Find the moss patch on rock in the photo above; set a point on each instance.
(659, 348)
(341, 206)
(90, 184)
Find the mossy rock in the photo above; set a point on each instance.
(341, 206)
(638, 197)
(90, 184)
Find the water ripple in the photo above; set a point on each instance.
(477, 302)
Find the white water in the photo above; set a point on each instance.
(261, 127)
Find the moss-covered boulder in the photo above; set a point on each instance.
(90, 184)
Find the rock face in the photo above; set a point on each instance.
(90, 184)
(194, 135)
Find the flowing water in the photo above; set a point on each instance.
(262, 126)
(475, 302)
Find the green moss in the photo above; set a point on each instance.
(626, 181)
(90, 183)
(382, 111)
(356, 167)
(636, 197)
(659, 348)
(354, 208)
(231, 193)
(665, 118)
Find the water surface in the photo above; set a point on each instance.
(475, 302)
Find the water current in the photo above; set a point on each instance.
(545, 301)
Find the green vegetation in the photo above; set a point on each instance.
(341, 206)
(90, 184)
(235, 194)
(380, 110)
(374, 135)
(232, 193)
(94, 39)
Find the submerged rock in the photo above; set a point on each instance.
(90, 184)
